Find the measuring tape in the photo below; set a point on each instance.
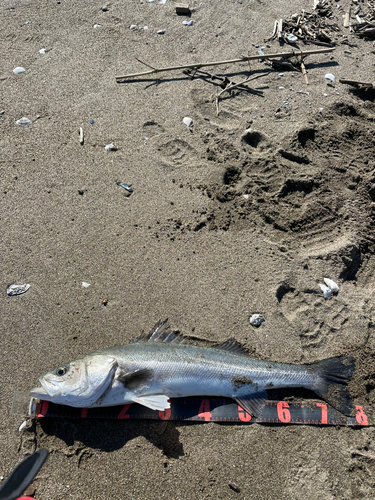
(213, 410)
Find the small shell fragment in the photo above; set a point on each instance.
(24, 121)
(17, 289)
(109, 147)
(18, 70)
(160, 32)
(97, 26)
(256, 320)
(42, 51)
(326, 290)
(330, 77)
(188, 23)
(85, 285)
(331, 284)
(125, 186)
(187, 121)
(22, 426)
(291, 38)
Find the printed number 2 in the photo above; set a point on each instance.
(282, 412)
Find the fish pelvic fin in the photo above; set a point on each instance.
(331, 385)
(252, 403)
(158, 402)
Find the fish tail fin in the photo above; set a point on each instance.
(331, 385)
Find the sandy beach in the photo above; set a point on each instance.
(245, 211)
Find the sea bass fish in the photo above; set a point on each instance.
(161, 366)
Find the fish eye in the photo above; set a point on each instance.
(61, 371)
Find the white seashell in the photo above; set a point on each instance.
(133, 27)
(97, 26)
(160, 32)
(22, 426)
(331, 284)
(42, 51)
(187, 121)
(329, 77)
(17, 289)
(24, 121)
(291, 38)
(109, 147)
(18, 70)
(246, 196)
(256, 320)
(85, 285)
(326, 291)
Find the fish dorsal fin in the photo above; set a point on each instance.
(232, 346)
(253, 402)
(161, 333)
(136, 379)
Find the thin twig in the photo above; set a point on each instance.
(232, 86)
(230, 61)
(304, 72)
(148, 65)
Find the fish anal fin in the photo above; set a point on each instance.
(158, 402)
(136, 379)
(253, 403)
(232, 346)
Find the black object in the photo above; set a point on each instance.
(23, 475)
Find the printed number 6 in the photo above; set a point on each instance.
(282, 412)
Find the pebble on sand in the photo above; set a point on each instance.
(187, 121)
(18, 70)
(256, 320)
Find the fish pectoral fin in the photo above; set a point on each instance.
(134, 380)
(156, 402)
(253, 403)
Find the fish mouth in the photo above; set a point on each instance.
(38, 392)
(49, 389)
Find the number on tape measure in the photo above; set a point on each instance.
(282, 412)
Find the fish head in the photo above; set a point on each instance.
(79, 383)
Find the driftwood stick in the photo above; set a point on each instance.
(230, 61)
(232, 86)
(361, 85)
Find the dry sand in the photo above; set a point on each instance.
(186, 244)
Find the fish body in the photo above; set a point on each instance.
(150, 373)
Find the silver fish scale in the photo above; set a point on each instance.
(183, 370)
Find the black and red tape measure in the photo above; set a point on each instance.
(216, 410)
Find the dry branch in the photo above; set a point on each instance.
(230, 61)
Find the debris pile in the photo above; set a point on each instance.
(307, 27)
(365, 26)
